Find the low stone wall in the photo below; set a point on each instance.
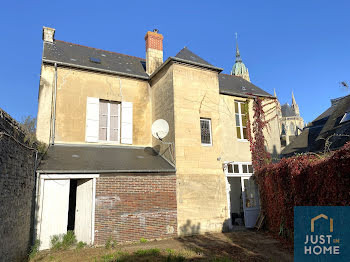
(17, 182)
(134, 206)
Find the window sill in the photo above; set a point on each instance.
(242, 140)
(206, 145)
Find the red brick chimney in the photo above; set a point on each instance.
(154, 50)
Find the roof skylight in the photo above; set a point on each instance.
(95, 60)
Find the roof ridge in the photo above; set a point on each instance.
(100, 49)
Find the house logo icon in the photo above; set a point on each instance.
(313, 220)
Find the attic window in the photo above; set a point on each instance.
(345, 118)
(95, 60)
(243, 88)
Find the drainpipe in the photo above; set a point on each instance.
(54, 108)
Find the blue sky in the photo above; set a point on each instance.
(302, 46)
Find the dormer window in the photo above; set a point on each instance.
(345, 118)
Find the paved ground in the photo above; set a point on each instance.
(234, 246)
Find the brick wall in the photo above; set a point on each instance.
(134, 206)
(16, 191)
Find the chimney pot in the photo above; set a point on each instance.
(48, 34)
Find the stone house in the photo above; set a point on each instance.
(105, 175)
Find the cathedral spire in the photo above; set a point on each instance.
(239, 69)
(295, 105)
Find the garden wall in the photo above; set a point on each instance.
(17, 164)
(303, 181)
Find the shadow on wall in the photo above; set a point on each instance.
(190, 229)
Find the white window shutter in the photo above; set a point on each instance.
(126, 127)
(92, 119)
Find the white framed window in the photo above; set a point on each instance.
(206, 137)
(109, 121)
(237, 168)
(241, 120)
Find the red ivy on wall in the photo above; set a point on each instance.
(297, 181)
(260, 156)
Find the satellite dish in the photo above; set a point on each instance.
(160, 129)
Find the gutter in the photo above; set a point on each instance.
(245, 95)
(53, 122)
(103, 171)
(94, 69)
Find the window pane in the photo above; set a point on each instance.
(243, 108)
(250, 168)
(245, 136)
(235, 168)
(103, 120)
(229, 166)
(245, 168)
(114, 122)
(205, 131)
(244, 120)
(237, 120)
(236, 107)
(238, 129)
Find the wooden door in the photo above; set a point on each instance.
(83, 210)
(54, 217)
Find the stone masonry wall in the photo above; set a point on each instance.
(134, 206)
(17, 165)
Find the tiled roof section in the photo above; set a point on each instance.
(234, 85)
(287, 111)
(313, 137)
(102, 159)
(186, 54)
(80, 56)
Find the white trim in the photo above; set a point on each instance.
(243, 140)
(70, 176)
(93, 210)
(211, 135)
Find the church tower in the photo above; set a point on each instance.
(295, 106)
(239, 69)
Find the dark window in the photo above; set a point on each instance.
(230, 168)
(250, 168)
(245, 168)
(235, 167)
(205, 131)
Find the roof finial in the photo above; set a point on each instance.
(238, 56)
(274, 93)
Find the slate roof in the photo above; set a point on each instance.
(96, 159)
(79, 56)
(187, 55)
(313, 137)
(287, 110)
(73, 55)
(237, 86)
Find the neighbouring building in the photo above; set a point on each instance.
(105, 175)
(291, 123)
(329, 131)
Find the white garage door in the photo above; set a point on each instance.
(54, 216)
